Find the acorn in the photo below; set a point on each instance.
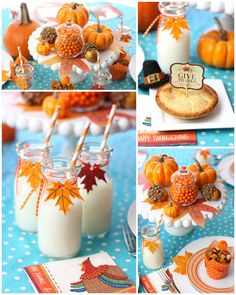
(157, 193)
(210, 192)
(89, 51)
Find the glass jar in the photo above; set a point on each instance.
(183, 189)
(24, 76)
(101, 79)
(97, 205)
(152, 250)
(28, 182)
(60, 210)
(69, 41)
(169, 49)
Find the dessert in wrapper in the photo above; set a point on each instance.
(119, 70)
(217, 260)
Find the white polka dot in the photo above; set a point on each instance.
(16, 278)
(10, 235)
(202, 142)
(10, 256)
(5, 243)
(216, 140)
(27, 253)
(6, 290)
(125, 269)
(13, 249)
(35, 262)
(4, 273)
(104, 244)
(203, 133)
(127, 260)
(5, 263)
(27, 246)
(117, 241)
(10, 228)
(19, 269)
(22, 288)
(21, 238)
(88, 249)
(231, 134)
(117, 250)
(19, 260)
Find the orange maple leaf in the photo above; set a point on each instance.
(176, 26)
(32, 171)
(63, 192)
(155, 205)
(181, 262)
(151, 245)
(125, 38)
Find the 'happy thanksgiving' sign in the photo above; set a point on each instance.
(187, 76)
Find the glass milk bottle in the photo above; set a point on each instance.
(170, 50)
(152, 250)
(60, 210)
(28, 182)
(97, 205)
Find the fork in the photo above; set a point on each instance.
(130, 240)
(166, 279)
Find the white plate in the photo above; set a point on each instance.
(132, 67)
(182, 281)
(6, 58)
(132, 218)
(140, 58)
(224, 169)
(221, 117)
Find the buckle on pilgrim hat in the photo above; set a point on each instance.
(153, 78)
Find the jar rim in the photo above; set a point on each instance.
(108, 147)
(173, 8)
(150, 228)
(26, 65)
(32, 146)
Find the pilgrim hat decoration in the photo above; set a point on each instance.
(153, 76)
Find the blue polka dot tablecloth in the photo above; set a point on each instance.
(199, 22)
(20, 249)
(43, 76)
(221, 225)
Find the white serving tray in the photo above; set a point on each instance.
(221, 117)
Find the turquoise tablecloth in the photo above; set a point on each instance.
(20, 249)
(221, 225)
(199, 22)
(44, 76)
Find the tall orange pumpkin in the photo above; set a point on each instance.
(18, 33)
(147, 12)
(216, 48)
(50, 103)
(158, 169)
(75, 12)
(205, 174)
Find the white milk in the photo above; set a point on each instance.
(153, 260)
(97, 208)
(170, 50)
(26, 218)
(59, 235)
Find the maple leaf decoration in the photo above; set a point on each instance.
(151, 245)
(63, 192)
(176, 26)
(181, 262)
(90, 173)
(32, 171)
(125, 38)
(142, 180)
(155, 205)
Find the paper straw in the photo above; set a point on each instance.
(52, 124)
(159, 222)
(108, 127)
(20, 56)
(80, 144)
(99, 64)
(121, 25)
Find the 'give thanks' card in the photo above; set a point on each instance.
(96, 273)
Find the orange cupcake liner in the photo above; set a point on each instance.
(118, 71)
(216, 270)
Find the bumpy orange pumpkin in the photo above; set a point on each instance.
(216, 48)
(147, 12)
(204, 173)
(43, 48)
(171, 210)
(158, 169)
(99, 35)
(50, 103)
(75, 12)
(18, 33)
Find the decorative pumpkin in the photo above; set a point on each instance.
(205, 174)
(18, 33)
(43, 48)
(99, 35)
(216, 48)
(8, 133)
(147, 12)
(171, 210)
(75, 12)
(158, 169)
(50, 103)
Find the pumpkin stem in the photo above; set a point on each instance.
(74, 5)
(162, 158)
(221, 29)
(99, 30)
(25, 18)
(198, 165)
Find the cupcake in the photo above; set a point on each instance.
(119, 69)
(217, 260)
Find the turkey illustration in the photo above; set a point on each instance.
(101, 279)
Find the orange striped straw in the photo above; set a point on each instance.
(99, 64)
(159, 222)
(80, 144)
(52, 124)
(20, 56)
(108, 128)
